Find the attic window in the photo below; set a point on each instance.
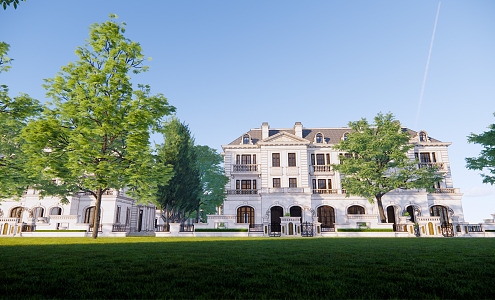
(344, 137)
(245, 139)
(319, 138)
(422, 136)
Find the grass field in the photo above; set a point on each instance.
(414, 268)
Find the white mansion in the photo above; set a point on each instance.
(282, 178)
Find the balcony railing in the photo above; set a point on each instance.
(186, 228)
(120, 228)
(242, 192)
(431, 164)
(245, 168)
(100, 228)
(255, 227)
(474, 228)
(328, 191)
(327, 229)
(322, 169)
(445, 191)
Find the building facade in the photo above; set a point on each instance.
(32, 215)
(279, 175)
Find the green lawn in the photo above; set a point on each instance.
(414, 268)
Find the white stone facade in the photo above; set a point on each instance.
(286, 173)
(33, 216)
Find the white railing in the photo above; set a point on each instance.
(244, 168)
(283, 190)
(221, 217)
(242, 192)
(63, 218)
(322, 169)
(446, 191)
(420, 219)
(328, 191)
(15, 220)
(362, 217)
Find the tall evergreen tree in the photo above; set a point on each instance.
(377, 161)
(180, 197)
(95, 134)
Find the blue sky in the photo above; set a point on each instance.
(230, 65)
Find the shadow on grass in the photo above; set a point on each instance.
(247, 268)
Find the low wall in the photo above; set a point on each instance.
(56, 234)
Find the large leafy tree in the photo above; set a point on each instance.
(377, 161)
(180, 197)
(213, 179)
(14, 114)
(486, 159)
(94, 136)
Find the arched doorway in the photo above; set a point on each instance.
(440, 211)
(326, 216)
(296, 211)
(38, 212)
(89, 215)
(410, 209)
(391, 216)
(276, 212)
(245, 214)
(16, 212)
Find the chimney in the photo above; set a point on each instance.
(298, 129)
(265, 130)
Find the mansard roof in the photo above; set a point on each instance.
(330, 135)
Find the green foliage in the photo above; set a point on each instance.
(14, 114)
(212, 177)
(378, 163)
(6, 3)
(486, 159)
(181, 195)
(94, 136)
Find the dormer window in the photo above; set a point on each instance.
(319, 138)
(246, 139)
(422, 136)
(344, 137)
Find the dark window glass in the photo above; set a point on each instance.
(326, 216)
(89, 215)
(292, 160)
(329, 186)
(254, 159)
(245, 184)
(322, 184)
(245, 214)
(328, 159)
(320, 159)
(245, 139)
(355, 210)
(425, 157)
(345, 136)
(238, 160)
(16, 212)
(292, 182)
(246, 159)
(275, 159)
(237, 184)
(422, 136)
(319, 138)
(312, 159)
(56, 211)
(38, 212)
(440, 211)
(276, 182)
(314, 184)
(254, 184)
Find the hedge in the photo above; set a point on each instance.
(220, 230)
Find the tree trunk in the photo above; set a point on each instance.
(383, 218)
(96, 219)
(166, 215)
(197, 216)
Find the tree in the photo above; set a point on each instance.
(94, 136)
(377, 161)
(180, 197)
(213, 179)
(14, 114)
(486, 159)
(6, 3)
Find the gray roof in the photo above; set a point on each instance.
(331, 135)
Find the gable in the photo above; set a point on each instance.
(284, 138)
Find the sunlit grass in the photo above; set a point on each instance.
(246, 268)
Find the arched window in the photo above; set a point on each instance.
(319, 138)
(422, 136)
(391, 214)
(326, 216)
(355, 210)
(296, 211)
(276, 212)
(38, 212)
(411, 210)
(245, 139)
(440, 211)
(16, 212)
(55, 211)
(245, 214)
(89, 215)
(344, 137)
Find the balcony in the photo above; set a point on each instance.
(284, 190)
(446, 191)
(322, 169)
(440, 166)
(242, 192)
(245, 169)
(328, 191)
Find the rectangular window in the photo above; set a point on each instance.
(320, 159)
(238, 160)
(276, 182)
(237, 184)
(329, 186)
(254, 159)
(245, 159)
(128, 217)
(292, 160)
(312, 159)
(117, 215)
(314, 184)
(433, 157)
(425, 157)
(254, 184)
(275, 159)
(322, 184)
(245, 184)
(292, 182)
(328, 159)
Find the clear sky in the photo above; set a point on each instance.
(230, 65)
